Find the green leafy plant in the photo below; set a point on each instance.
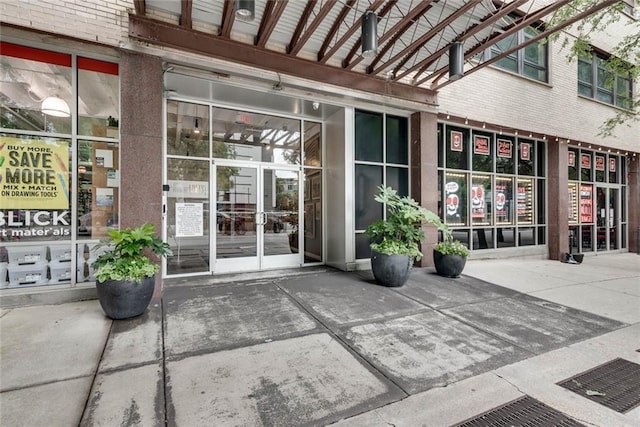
(401, 232)
(126, 259)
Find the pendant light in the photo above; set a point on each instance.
(245, 10)
(369, 34)
(196, 129)
(55, 106)
(456, 61)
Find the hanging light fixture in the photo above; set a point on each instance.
(369, 34)
(196, 129)
(245, 9)
(55, 106)
(456, 61)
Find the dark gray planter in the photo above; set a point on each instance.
(390, 270)
(449, 265)
(122, 299)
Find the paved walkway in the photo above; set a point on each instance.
(328, 347)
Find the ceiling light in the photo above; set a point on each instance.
(56, 107)
(369, 34)
(456, 61)
(245, 10)
(196, 129)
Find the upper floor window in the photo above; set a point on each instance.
(530, 61)
(597, 80)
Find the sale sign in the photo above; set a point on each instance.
(34, 174)
(525, 151)
(504, 148)
(599, 163)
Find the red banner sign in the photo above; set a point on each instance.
(481, 145)
(585, 161)
(504, 148)
(572, 158)
(599, 163)
(612, 164)
(456, 141)
(525, 151)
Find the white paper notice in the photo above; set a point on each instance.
(113, 178)
(104, 158)
(189, 219)
(104, 197)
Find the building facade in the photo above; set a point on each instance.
(244, 168)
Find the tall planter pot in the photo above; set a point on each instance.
(122, 299)
(390, 270)
(449, 265)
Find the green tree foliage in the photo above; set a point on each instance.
(625, 55)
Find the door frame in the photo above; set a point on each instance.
(610, 223)
(260, 261)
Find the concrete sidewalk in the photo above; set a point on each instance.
(328, 347)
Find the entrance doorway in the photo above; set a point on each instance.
(257, 216)
(607, 217)
(243, 190)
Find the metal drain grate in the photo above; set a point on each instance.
(522, 412)
(615, 384)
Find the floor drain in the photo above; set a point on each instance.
(615, 384)
(523, 412)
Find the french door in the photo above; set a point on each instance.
(257, 216)
(608, 218)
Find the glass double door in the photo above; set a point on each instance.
(248, 222)
(607, 217)
(257, 216)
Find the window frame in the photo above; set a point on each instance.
(598, 87)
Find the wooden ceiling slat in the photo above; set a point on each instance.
(185, 13)
(173, 36)
(398, 29)
(302, 22)
(270, 19)
(485, 23)
(228, 17)
(140, 7)
(589, 11)
(414, 47)
(300, 42)
(334, 28)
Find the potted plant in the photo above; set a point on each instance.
(449, 255)
(125, 275)
(396, 239)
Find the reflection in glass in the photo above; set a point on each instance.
(236, 201)
(188, 215)
(312, 144)
(188, 130)
(526, 236)
(280, 216)
(367, 210)
(505, 237)
(483, 238)
(313, 215)
(397, 137)
(98, 98)
(255, 137)
(368, 128)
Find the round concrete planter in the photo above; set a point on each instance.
(448, 265)
(390, 270)
(122, 299)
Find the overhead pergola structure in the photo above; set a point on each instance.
(321, 40)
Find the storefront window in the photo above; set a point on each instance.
(526, 154)
(455, 189)
(505, 154)
(42, 177)
(457, 148)
(525, 199)
(481, 203)
(482, 159)
(504, 208)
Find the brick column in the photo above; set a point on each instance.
(141, 132)
(557, 200)
(633, 197)
(424, 174)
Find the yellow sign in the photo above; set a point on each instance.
(34, 173)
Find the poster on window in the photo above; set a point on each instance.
(525, 201)
(525, 151)
(189, 219)
(586, 204)
(612, 164)
(481, 145)
(585, 161)
(571, 159)
(456, 141)
(34, 173)
(599, 163)
(502, 208)
(573, 203)
(452, 201)
(504, 148)
(478, 210)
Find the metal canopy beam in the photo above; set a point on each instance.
(173, 36)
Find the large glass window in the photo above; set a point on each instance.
(530, 61)
(597, 80)
(60, 185)
(381, 158)
(492, 187)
